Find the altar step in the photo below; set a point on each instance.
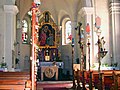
(54, 85)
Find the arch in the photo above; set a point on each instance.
(24, 6)
(87, 3)
(62, 15)
(78, 5)
(65, 18)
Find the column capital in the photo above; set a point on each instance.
(114, 8)
(86, 10)
(11, 9)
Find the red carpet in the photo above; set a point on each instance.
(54, 85)
(55, 89)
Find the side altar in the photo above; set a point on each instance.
(49, 63)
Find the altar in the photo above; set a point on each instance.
(46, 64)
(48, 55)
(50, 70)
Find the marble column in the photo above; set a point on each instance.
(86, 14)
(114, 11)
(10, 34)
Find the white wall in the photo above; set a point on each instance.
(103, 12)
(2, 29)
(66, 54)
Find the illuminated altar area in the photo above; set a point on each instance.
(48, 56)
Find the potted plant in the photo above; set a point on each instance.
(3, 65)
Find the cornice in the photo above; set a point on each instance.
(11, 9)
(114, 8)
(86, 10)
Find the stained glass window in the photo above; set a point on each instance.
(25, 32)
(68, 32)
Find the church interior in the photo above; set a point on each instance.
(59, 45)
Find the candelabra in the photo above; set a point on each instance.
(101, 53)
(89, 53)
(74, 85)
(90, 73)
(81, 46)
(100, 75)
(88, 44)
(101, 50)
(82, 64)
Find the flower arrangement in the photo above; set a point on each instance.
(3, 64)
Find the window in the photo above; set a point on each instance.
(68, 35)
(25, 32)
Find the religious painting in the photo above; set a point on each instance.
(46, 36)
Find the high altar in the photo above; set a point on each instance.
(48, 53)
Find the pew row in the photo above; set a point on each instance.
(109, 79)
(14, 80)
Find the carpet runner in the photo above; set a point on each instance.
(54, 85)
(55, 89)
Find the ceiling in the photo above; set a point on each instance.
(58, 8)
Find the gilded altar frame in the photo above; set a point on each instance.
(47, 31)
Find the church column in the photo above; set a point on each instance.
(10, 34)
(87, 18)
(59, 39)
(74, 36)
(115, 30)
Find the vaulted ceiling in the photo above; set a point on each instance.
(58, 8)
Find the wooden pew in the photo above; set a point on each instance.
(88, 79)
(116, 76)
(14, 80)
(108, 79)
(95, 78)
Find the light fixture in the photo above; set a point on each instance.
(98, 32)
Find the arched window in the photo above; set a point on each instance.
(68, 35)
(25, 32)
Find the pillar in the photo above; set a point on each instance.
(86, 14)
(74, 35)
(114, 11)
(10, 34)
